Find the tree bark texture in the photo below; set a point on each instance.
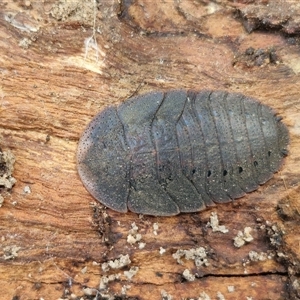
(63, 61)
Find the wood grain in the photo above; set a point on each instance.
(63, 61)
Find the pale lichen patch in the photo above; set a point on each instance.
(133, 235)
(106, 279)
(7, 161)
(214, 224)
(27, 189)
(7, 181)
(89, 291)
(231, 288)
(125, 288)
(188, 275)
(25, 43)
(142, 245)
(165, 295)
(220, 296)
(118, 263)
(243, 237)
(10, 252)
(155, 228)
(162, 250)
(197, 254)
(255, 256)
(132, 272)
(204, 296)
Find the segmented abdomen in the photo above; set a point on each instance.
(180, 151)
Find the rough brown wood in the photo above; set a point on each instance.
(63, 61)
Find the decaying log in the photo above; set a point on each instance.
(63, 61)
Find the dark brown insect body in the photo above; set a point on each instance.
(180, 151)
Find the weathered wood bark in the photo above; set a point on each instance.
(63, 61)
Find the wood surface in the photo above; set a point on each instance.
(63, 61)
